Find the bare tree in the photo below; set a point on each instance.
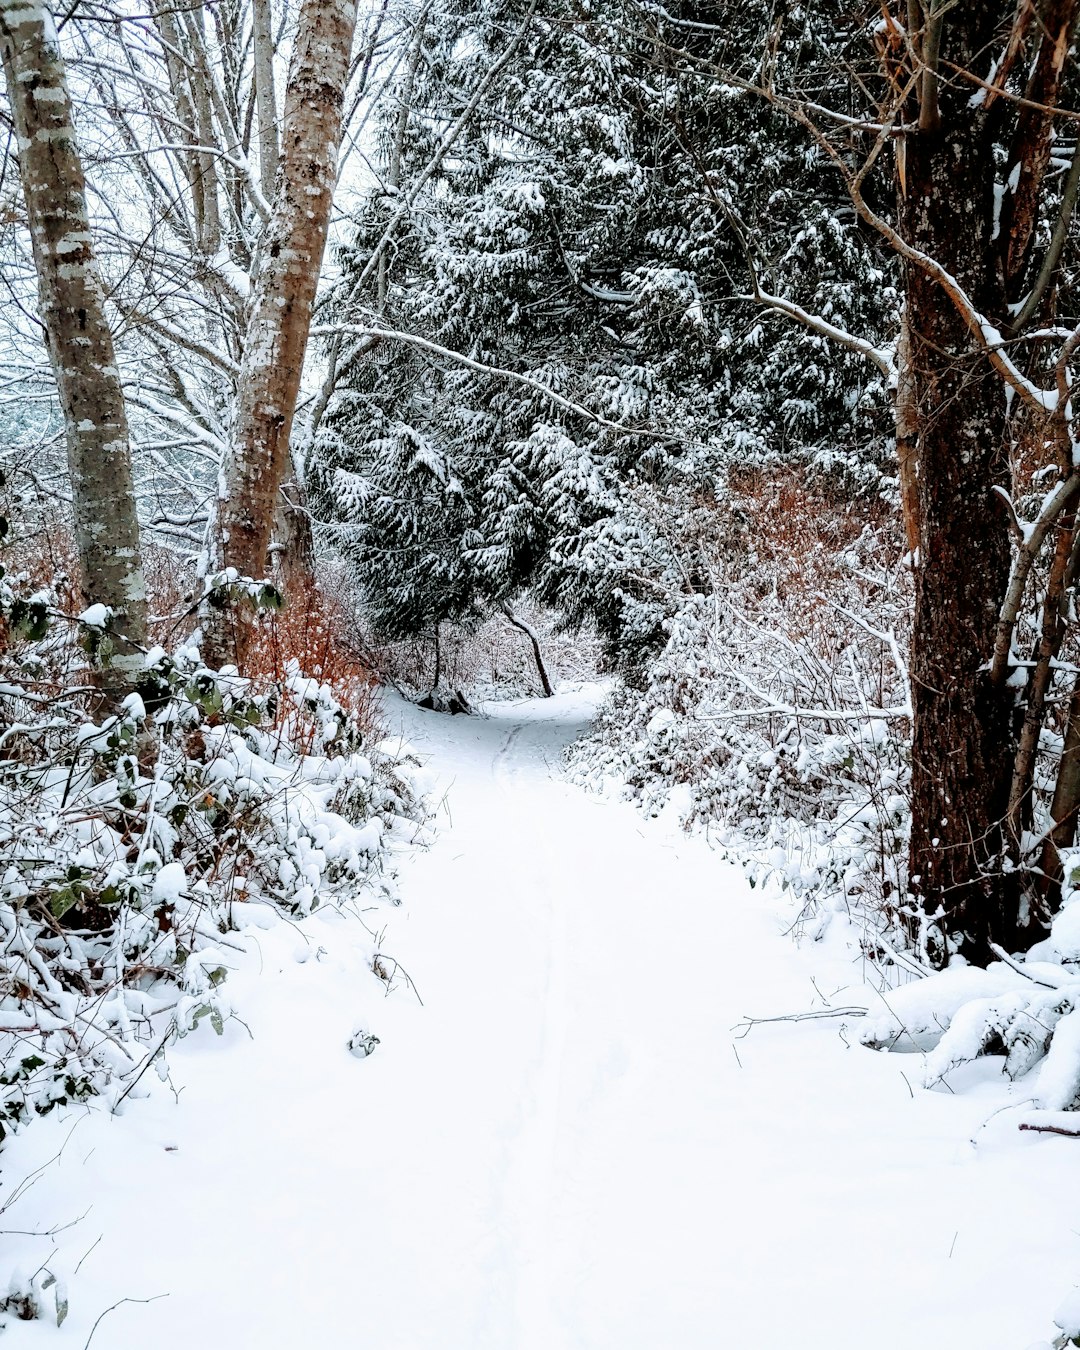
(280, 316)
(79, 338)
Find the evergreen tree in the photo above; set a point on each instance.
(592, 229)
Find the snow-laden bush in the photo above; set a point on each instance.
(780, 722)
(130, 848)
(1024, 1011)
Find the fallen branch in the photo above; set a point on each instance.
(1004, 956)
(1049, 1129)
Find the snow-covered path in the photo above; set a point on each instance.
(565, 1147)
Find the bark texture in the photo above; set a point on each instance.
(79, 339)
(280, 318)
(265, 96)
(963, 734)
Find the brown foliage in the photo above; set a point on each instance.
(313, 635)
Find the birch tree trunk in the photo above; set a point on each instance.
(280, 317)
(265, 96)
(79, 339)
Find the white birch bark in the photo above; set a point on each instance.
(78, 335)
(265, 96)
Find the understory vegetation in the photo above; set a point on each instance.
(776, 713)
(138, 841)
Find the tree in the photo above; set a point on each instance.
(974, 104)
(580, 234)
(291, 256)
(79, 339)
(976, 107)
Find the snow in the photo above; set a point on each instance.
(97, 616)
(570, 1144)
(1067, 1316)
(916, 1016)
(170, 884)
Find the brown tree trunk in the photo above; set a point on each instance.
(963, 746)
(280, 318)
(538, 655)
(1066, 806)
(79, 340)
(906, 421)
(292, 553)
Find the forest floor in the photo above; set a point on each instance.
(570, 1144)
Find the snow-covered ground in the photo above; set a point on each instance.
(566, 1146)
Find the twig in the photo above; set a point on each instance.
(88, 1251)
(1048, 1129)
(817, 1015)
(47, 1232)
(146, 1064)
(116, 1305)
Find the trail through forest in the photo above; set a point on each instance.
(566, 1146)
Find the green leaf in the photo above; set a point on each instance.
(29, 619)
(63, 900)
(269, 597)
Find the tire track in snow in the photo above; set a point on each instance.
(499, 764)
(533, 1172)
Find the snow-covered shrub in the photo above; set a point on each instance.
(776, 714)
(32, 1297)
(1067, 1318)
(130, 848)
(1024, 1010)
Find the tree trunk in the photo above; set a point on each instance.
(179, 73)
(79, 340)
(210, 220)
(1066, 806)
(263, 43)
(280, 318)
(538, 655)
(963, 744)
(906, 420)
(292, 553)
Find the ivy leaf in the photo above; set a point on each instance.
(63, 900)
(29, 619)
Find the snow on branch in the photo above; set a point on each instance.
(483, 368)
(882, 357)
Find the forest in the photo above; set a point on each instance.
(540, 548)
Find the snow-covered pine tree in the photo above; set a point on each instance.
(592, 227)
